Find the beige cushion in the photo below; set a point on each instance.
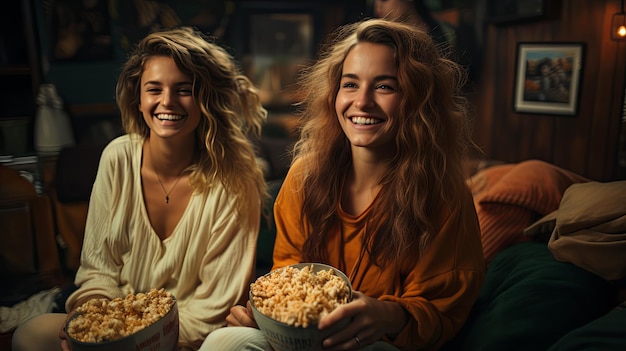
(590, 228)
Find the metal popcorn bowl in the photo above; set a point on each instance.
(161, 335)
(285, 337)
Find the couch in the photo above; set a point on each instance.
(555, 246)
(537, 295)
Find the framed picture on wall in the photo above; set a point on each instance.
(280, 45)
(274, 41)
(548, 78)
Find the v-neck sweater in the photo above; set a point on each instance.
(207, 262)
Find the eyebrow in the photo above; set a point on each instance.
(155, 82)
(377, 78)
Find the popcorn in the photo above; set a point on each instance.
(298, 297)
(101, 320)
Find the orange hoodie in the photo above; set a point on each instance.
(438, 292)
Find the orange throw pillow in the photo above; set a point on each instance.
(510, 197)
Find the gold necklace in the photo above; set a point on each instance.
(167, 193)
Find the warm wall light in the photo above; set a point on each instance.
(618, 25)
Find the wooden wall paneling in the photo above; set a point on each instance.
(591, 151)
(518, 146)
(483, 98)
(585, 143)
(614, 52)
(601, 152)
(612, 113)
(514, 142)
(500, 108)
(605, 118)
(571, 143)
(498, 124)
(618, 112)
(573, 137)
(539, 140)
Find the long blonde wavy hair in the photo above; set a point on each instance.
(425, 178)
(230, 106)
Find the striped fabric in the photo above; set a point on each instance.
(510, 197)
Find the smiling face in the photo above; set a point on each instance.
(368, 97)
(166, 99)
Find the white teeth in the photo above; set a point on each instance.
(365, 120)
(169, 117)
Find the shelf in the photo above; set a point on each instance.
(17, 70)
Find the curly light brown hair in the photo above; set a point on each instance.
(229, 103)
(425, 177)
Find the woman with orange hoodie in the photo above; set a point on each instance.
(377, 190)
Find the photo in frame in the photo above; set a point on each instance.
(281, 44)
(548, 78)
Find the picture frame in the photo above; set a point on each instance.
(548, 78)
(274, 41)
(280, 44)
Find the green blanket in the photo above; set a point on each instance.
(530, 300)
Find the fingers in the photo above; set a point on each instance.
(65, 345)
(240, 316)
(63, 333)
(363, 329)
(354, 336)
(231, 321)
(348, 310)
(354, 343)
(344, 338)
(249, 308)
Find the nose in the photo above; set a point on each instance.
(167, 98)
(364, 99)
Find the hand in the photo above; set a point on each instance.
(370, 319)
(241, 317)
(65, 345)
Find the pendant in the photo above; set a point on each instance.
(167, 199)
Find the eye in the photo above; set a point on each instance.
(184, 91)
(385, 87)
(348, 85)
